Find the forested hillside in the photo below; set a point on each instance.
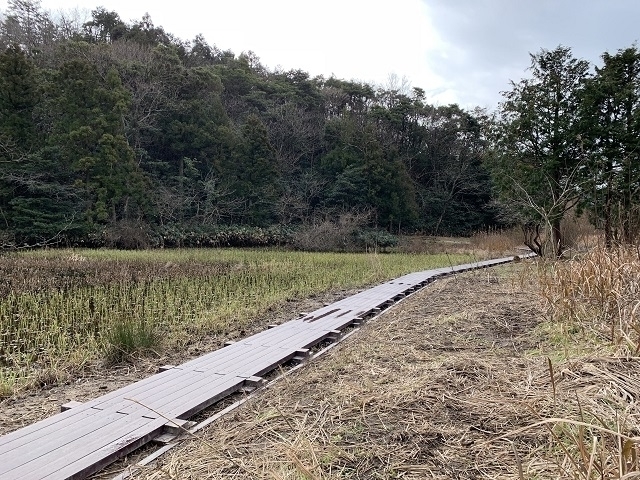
(110, 129)
(115, 133)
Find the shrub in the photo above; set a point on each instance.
(375, 239)
(347, 233)
(224, 236)
(126, 235)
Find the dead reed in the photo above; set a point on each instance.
(497, 240)
(598, 293)
(592, 304)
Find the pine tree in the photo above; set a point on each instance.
(540, 151)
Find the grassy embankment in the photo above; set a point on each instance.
(62, 310)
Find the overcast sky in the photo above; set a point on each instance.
(462, 51)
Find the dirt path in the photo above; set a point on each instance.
(413, 395)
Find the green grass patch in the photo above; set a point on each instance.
(127, 338)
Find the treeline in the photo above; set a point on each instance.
(115, 133)
(120, 132)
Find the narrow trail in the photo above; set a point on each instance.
(415, 394)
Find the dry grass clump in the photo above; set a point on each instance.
(610, 392)
(498, 240)
(598, 292)
(590, 419)
(594, 301)
(482, 245)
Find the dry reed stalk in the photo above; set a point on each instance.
(597, 292)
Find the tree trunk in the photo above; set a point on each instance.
(531, 234)
(556, 238)
(608, 227)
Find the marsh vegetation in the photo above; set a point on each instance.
(60, 310)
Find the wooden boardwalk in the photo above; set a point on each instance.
(84, 439)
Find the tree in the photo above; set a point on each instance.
(251, 173)
(104, 27)
(106, 123)
(447, 167)
(146, 33)
(88, 133)
(37, 201)
(18, 97)
(363, 176)
(539, 150)
(27, 25)
(611, 136)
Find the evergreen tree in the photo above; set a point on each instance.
(253, 176)
(89, 130)
(610, 133)
(540, 152)
(36, 198)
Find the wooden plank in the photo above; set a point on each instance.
(163, 378)
(300, 339)
(158, 400)
(182, 385)
(292, 339)
(271, 332)
(176, 403)
(101, 451)
(53, 442)
(26, 435)
(258, 364)
(157, 383)
(218, 362)
(274, 334)
(200, 400)
(78, 442)
(266, 367)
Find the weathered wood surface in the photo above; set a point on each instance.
(89, 436)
